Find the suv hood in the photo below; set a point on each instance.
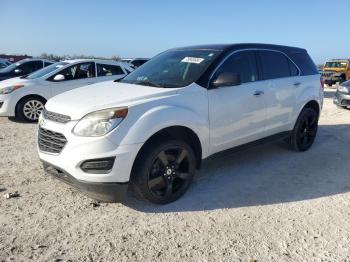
(81, 101)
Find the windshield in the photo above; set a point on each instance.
(176, 68)
(46, 70)
(336, 65)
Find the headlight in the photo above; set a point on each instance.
(9, 89)
(100, 123)
(343, 89)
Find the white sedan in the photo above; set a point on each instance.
(25, 97)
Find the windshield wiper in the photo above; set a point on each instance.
(147, 83)
(119, 79)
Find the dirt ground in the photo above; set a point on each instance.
(267, 203)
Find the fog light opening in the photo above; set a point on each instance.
(98, 166)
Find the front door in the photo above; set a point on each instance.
(75, 76)
(237, 114)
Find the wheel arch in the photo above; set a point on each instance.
(25, 97)
(313, 104)
(179, 132)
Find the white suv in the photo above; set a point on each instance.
(154, 127)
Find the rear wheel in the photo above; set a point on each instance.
(29, 109)
(305, 130)
(164, 171)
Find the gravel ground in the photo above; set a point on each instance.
(267, 203)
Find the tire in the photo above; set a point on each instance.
(29, 109)
(305, 130)
(164, 170)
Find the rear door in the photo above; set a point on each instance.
(75, 76)
(107, 72)
(281, 77)
(237, 114)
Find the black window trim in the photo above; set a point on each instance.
(258, 62)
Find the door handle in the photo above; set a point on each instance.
(258, 93)
(297, 84)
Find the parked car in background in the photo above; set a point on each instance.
(342, 95)
(23, 67)
(336, 71)
(4, 63)
(25, 97)
(157, 124)
(136, 62)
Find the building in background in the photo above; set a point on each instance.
(14, 58)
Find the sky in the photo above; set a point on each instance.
(144, 28)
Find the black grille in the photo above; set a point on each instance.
(50, 141)
(327, 74)
(56, 117)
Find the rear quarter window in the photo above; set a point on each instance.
(305, 63)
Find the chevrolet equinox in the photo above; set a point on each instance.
(154, 127)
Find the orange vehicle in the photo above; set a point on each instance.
(336, 70)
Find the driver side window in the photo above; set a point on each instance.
(78, 71)
(242, 63)
(29, 67)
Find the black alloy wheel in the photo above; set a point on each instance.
(305, 130)
(166, 171)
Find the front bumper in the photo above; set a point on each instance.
(79, 149)
(341, 99)
(105, 192)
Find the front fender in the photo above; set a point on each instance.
(157, 118)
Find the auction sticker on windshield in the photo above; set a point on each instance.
(193, 60)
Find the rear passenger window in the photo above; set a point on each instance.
(109, 70)
(139, 62)
(274, 65)
(242, 63)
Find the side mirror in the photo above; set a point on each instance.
(18, 71)
(226, 79)
(59, 78)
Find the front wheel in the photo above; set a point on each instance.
(29, 109)
(305, 130)
(164, 171)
